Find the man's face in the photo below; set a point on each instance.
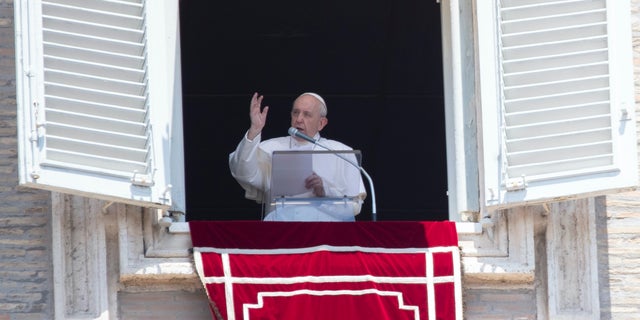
(305, 115)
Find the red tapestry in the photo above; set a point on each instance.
(329, 270)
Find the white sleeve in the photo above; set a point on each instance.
(245, 168)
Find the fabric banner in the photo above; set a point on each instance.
(329, 270)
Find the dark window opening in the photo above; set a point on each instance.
(378, 64)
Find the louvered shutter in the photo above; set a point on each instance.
(95, 121)
(557, 99)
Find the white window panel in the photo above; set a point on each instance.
(90, 97)
(556, 99)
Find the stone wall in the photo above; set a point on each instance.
(619, 229)
(25, 229)
(619, 256)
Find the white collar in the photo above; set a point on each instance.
(303, 145)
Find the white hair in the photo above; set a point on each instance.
(323, 105)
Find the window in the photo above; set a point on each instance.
(378, 69)
(101, 116)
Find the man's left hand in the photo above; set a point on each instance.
(314, 182)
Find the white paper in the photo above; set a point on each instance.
(288, 172)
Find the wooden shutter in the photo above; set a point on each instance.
(557, 103)
(91, 122)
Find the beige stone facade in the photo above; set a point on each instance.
(69, 257)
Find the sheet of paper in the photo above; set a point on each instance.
(288, 172)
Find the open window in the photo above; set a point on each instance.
(540, 92)
(99, 99)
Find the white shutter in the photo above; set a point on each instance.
(94, 121)
(557, 99)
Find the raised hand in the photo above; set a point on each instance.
(258, 116)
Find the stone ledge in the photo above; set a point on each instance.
(160, 282)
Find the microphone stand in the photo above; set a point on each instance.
(295, 132)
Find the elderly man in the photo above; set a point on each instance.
(250, 163)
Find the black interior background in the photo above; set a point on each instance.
(377, 63)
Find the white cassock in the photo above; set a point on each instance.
(250, 165)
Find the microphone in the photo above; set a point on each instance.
(296, 133)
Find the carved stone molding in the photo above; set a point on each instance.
(100, 248)
(504, 249)
(151, 257)
(80, 272)
(572, 263)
